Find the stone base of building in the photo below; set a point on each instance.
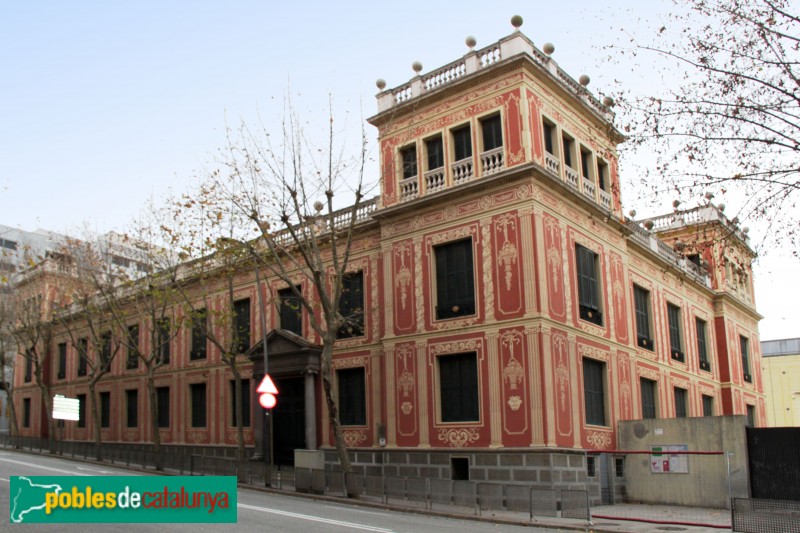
(549, 468)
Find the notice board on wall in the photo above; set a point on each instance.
(665, 460)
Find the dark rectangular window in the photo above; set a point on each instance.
(641, 299)
(588, 287)
(352, 396)
(708, 405)
(162, 406)
(674, 319)
(594, 391)
(105, 349)
(751, 416)
(351, 305)
(131, 408)
(591, 466)
(455, 284)
(680, 402)
(26, 412)
(133, 347)
(163, 337)
(702, 351)
(29, 365)
(586, 161)
(458, 387)
(602, 174)
(568, 146)
(549, 137)
(435, 150)
(744, 346)
(619, 466)
(245, 403)
(199, 340)
(290, 310)
(83, 355)
(492, 128)
(241, 324)
(105, 409)
(81, 410)
(8, 244)
(409, 157)
(648, 398)
(198, 394)
(462, 142)
(62, 360)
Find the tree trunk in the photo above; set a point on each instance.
(237, 377)
(153, 397)
(333, 411)
(13, 427)
(96, 418)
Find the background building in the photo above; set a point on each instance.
(781, 370)
(510, 312)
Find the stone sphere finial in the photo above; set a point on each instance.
(721, 207)
(648, 225)
(632, 213)
(318, 206)
(584, 80)
(746, 230)
(676, 203)
(548, 48)
(516, 21)
(608, 101)
(470, 41)
(709, 195)
(381, 84)
(417, 66)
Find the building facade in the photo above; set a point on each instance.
(512, 313)
(781, 371)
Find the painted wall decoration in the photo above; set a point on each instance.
(403, 285)
(406, 395)
(563, 389)
(555, 268)
(508, 282)
(515, 387)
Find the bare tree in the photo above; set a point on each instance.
(86, 314)
(733, 124)
(8, 351)
(286, 189)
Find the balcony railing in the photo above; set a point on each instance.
(572, 176)
(492, 161)
(409, 188)
(552, 163)
(588, 188)
(462, 171)
(434, 180)
(605, 199)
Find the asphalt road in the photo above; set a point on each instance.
(258, 511)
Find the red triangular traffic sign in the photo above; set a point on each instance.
(267, 386)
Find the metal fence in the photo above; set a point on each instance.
(411, 492)
(765, 516)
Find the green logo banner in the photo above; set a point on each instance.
(122, 499)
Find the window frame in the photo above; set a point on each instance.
(568, 144)
(550, 137)
(198, 398)
(681, 400)
(459, 388)
(242, 324)
(438, 141)
(105, 350)
(83, 356)
(744, 348)
(349, 307)
(246, 405)
(131, 408)
(287, 298)
(132, 361)
(409, 161)
(198, 346)
(643, 316)
(675, 336)
(594, 389)
(163, 338)
(651, 406)
(587, 270)
(708, 405)
(104, 398)
(495, 130)
(352, 395)
(61, 372)
(162, 406)
(81, 422)
(454, 269)
(26, 412)
(700, 327)
(458, 137)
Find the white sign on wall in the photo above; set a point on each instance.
(663, 460)
(66, 408)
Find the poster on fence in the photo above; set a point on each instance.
(663, 460)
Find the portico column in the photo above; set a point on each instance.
(311, 412)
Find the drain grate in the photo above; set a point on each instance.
(671, 528)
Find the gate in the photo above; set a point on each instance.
(774, 460)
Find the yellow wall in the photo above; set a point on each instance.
(782, 389)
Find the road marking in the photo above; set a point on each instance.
(70, 472)
(349, 510)
(4, 479)
(94, 470)
(350, 525)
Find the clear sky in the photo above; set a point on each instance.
(104, 104)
